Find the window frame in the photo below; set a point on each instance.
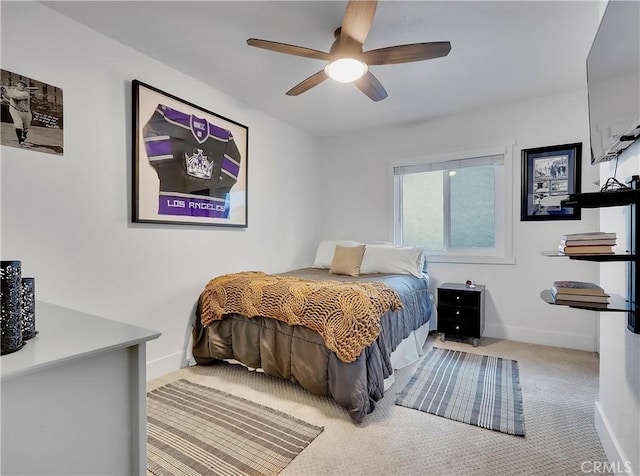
(502, 253)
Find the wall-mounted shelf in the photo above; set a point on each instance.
(614, 198)
(595, 257)
(626, 197)
(616, 303)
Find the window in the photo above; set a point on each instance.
(457, 207)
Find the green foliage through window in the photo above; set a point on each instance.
(449, 206)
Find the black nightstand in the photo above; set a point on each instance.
(461, 311)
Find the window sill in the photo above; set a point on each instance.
(470, 259)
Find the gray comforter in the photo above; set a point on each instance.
(299, 354)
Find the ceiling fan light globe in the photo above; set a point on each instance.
(346, 70)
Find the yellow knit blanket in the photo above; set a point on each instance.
(346, 315)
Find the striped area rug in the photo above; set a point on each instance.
(198, 430)
(475, 389)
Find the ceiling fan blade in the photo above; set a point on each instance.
(288, 49)
(357, 21)
(308, 83)
(407, 53)
(370, 85)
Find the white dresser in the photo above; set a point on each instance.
(73, 399)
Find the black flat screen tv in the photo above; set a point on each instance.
(613, 81)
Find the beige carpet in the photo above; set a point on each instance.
(559, 388)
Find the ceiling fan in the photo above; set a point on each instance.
(346, 56)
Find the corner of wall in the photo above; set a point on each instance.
(613, 450)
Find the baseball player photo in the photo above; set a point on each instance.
(30, 114)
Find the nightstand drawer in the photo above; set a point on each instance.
(454, 327)
(457, 313)
(455, 297)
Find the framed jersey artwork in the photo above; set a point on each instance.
(189, 164)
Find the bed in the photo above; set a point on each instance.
(301, 355)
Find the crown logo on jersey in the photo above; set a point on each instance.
(198, 166)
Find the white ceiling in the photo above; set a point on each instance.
(501, 51)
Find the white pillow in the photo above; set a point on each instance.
(326, 249)
(393, 260)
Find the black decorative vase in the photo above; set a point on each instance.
(28, 308)
(10, 283)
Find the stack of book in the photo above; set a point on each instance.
(579, 293)
(590, 243)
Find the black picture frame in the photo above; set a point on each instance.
(548, 172)
(189, 163)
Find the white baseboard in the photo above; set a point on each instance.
(619, 464)
(165, 365)
(541, 337)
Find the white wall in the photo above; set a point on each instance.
(617, 411)
(356, 170)
(618, 408)
(68, 218)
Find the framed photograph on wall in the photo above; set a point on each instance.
(550, 174)
(189, 164)
(31, 114)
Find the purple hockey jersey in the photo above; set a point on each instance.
(194, 157)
